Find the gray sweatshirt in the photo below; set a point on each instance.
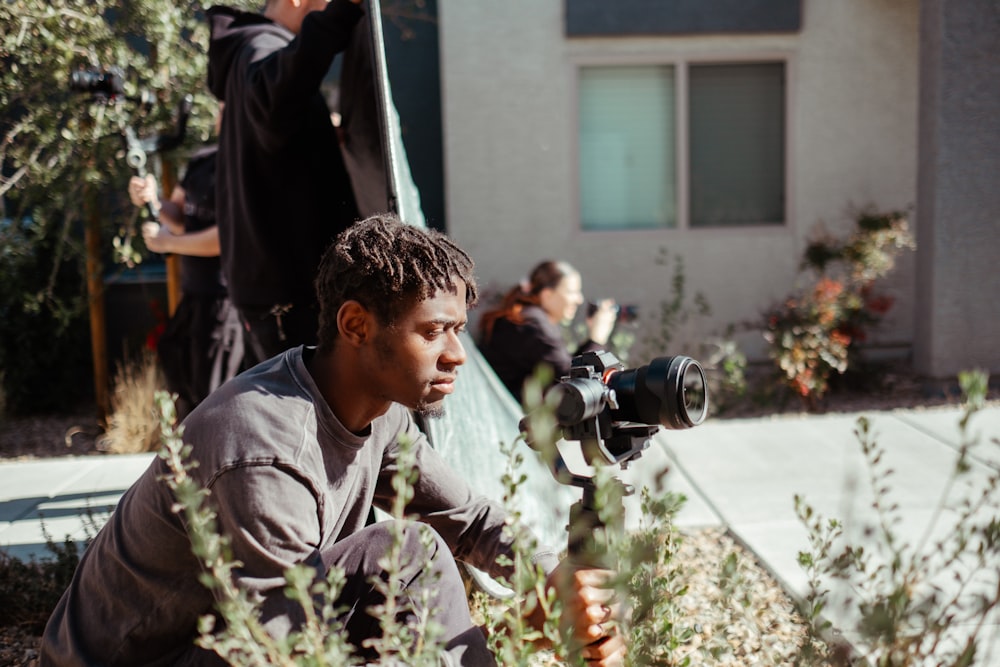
(288, 481)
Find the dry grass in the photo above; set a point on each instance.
(133, 426)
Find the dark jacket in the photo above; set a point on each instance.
(201, 276)
(515, 350)
(283, 192)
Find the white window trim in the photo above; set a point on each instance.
(681, 65)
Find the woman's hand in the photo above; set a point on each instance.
(143, 191)
(157, 237)
(600, 324)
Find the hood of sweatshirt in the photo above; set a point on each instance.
(230, 29)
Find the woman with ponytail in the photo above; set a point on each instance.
(524, 332)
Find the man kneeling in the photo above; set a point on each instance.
(296, 451)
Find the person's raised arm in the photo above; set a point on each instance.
(281, 83)
(203, 243)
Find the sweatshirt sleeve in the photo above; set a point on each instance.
(471, 524)
(271, 519)
(281, 81)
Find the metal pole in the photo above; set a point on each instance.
(382, 96)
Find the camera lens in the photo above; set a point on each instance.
(694, 394)
(670, 391)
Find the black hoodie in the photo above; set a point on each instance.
(283, 192)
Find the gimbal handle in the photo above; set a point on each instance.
(593, 529)
(137, 150)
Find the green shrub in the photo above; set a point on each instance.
(726, 371)
(44, 358)
(30, 590)
(905, 618)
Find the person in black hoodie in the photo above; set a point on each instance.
(283, 190)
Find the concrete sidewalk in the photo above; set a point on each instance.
(738, 474)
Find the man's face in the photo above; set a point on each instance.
(416, 359)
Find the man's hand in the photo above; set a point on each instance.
(589, 614)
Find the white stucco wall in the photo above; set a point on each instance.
(509, 106)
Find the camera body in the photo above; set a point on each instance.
(105, 83)
(627, 313)
(613, 413)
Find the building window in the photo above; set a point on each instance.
(726, 157)
(592, 18)
(627, 171)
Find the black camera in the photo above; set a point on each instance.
(613, 413)
(105, 83)
(626, 312)
(602, 404)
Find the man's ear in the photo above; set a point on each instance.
(354, 323)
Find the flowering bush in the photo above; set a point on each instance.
(817, 332)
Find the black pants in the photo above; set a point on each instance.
(358, 556)
(197, 350)
(270, 330)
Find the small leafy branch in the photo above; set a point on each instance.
(657, 627)
(817, 332)
(676, 308)
(410, 635)
(511, 638)
(725, 369)
(906, 617)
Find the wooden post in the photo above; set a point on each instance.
(95, 294)
(173, 263)
(168, 180)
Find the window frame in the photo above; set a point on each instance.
(681, 65)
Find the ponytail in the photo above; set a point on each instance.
(548, 274)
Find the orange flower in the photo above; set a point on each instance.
(828, 289)
(840, 337)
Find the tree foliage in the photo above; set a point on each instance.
(61, 164)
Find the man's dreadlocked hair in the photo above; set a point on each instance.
(388, 267)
